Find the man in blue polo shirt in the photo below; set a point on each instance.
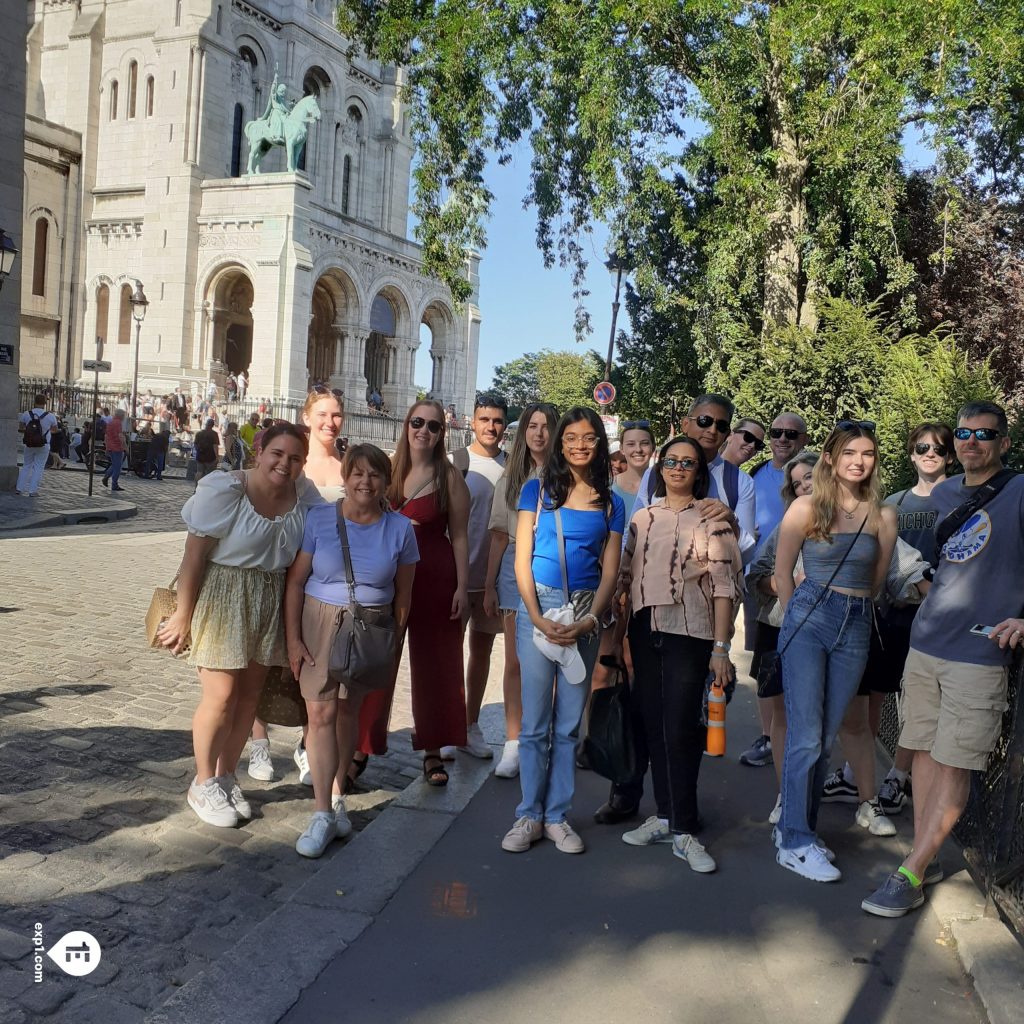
(954, 682)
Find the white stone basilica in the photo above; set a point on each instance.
(135, 170)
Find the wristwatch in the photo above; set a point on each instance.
(723, 645)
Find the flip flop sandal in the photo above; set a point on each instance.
(437, 776)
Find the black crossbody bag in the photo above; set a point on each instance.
(962, 513)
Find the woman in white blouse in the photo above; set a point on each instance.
(244, 530)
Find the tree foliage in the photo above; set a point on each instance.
(562, 378)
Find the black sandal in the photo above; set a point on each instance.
(350, 777)
(435, 776)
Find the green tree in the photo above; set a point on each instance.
(516, 382)
(566, 379)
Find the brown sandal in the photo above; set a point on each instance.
(359, 766)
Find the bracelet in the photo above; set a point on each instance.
(723, 645)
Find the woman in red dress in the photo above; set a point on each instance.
(428, 489)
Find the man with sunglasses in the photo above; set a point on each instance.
(745, 441)
(481, 465)
(955, 678)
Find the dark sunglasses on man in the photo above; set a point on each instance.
(704, 421)
(787, 432)
(981, 433)
(418, 423)
(749, 438)
(923, 448)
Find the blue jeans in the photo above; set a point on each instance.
(113, 473)
(821, 669)
(552, 711)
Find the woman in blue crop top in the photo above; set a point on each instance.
(846, 537)
(574, 491)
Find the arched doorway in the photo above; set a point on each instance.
(437, 329)
(383, 329)
(334, 307)
(228, 342)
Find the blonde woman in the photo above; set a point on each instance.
(846, 538)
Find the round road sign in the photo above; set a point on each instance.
(604, 393)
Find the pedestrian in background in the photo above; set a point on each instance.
(206, 445)
(244, 530)
(36, 425)
(115, 440)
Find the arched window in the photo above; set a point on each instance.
(124, 316)
(346, 183)
(39, 257)
(177, 13)
(102, 311)
(133, 82)
(236, 141)
(220, 12)
(113, 100)
(150, 86)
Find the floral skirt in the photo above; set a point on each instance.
(237, 619)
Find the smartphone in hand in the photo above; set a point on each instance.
(979, 630)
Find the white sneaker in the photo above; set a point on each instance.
(773, 818)
(341, 819)
(448, 753)
(653, 830)
(318, 835)
(261, 766)
(564, 837)
(301, 759)
(211, 803)
(476, 744)
(686, 847)
(809, 862)
(508, 766)
(871, 816)
(235, 796)
(827, 851)
(522, 835)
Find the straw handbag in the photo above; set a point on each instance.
(162, 605)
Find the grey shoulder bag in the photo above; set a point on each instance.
(365, 650)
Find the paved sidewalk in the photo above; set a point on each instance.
(95, 758)
(64, 500)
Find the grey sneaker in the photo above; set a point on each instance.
(933, 874)
(685, 847)
(318, 835)
(893, 795)
(566, 840)
(758, 754)
(871, 816)
(894, 897)
(235, 796)
(261, 767)
(653, 830)
(522, 835)
(211, 803)
(341, 819)
(838, 791)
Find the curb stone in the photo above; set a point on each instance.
(336, 905)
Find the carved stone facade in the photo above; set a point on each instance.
(290, 276)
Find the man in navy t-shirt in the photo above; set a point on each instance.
(954, 682)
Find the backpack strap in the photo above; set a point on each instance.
(731, 481)
(460, 460)
(982, 496)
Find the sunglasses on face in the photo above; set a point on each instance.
(923, 448)
(418, 423)
(787, 432)
(749, 438)
(850, 424)
(685, 464)
(981, 433)
(705, 421)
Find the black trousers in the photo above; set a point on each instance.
(670, 673)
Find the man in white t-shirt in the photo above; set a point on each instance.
(35, 426)
(481, 464)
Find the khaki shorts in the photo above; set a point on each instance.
(952, 709)
(320, 625)
(478, 619)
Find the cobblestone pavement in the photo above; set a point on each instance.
(95, 758)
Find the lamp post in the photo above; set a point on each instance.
(8, 254)
(139, 304)
(617, 266)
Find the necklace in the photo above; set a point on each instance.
(852, 512)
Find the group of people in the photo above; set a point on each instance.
(845, 596)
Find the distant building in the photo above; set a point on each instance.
(135, 159)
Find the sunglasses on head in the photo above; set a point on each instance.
(851, 424)
(787, 432)
(418, 423)
(923, 448)
(981, 433)
(704, 421)
(636, 425)
(749, 438)
(686, 464)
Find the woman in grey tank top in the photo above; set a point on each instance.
(846, 538)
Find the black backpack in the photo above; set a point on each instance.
(35, 437)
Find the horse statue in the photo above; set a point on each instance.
(280, 126)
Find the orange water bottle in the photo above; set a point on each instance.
(716, 722)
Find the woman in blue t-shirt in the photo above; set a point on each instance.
(317, 597)
(568, 541)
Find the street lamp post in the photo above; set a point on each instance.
(8, 254)
(139, 304)
(617, 266)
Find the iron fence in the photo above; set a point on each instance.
(991, 829)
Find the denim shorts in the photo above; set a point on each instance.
(508, 589)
